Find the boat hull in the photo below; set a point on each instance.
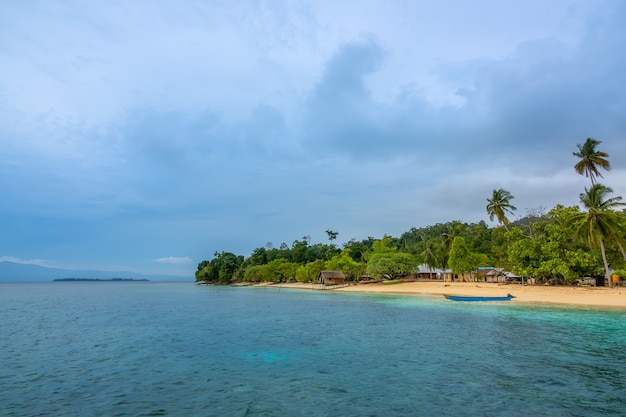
(475, 298)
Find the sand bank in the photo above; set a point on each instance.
(576, 296)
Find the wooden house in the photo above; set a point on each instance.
(427, 272)
(493, 275)
(331, 277)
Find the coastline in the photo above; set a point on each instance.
(540, 294)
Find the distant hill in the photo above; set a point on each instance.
(14, 272)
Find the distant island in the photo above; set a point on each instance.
(99, 279)
(16, 272)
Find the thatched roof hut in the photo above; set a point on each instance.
(331, 277)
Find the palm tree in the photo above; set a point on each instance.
(447, 237)
(429, 254)
(601, 221)
(499, 205)
(591, 160)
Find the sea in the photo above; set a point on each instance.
(181, 349)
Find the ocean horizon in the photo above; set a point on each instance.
(181, 349)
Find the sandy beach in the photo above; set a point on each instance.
(575, 296)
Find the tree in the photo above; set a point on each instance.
(452, 230)
(310, 271)
(321, 251)
(256, 273)
(345, 263)
(281, 270)
(384, 260)
(429, 253)
(258, 257)
(299, 251)
(359, 249)
(499, 205)
(390, 264)
(550, 253)
(221, 268)
(462, 260)
(591, 160)
(600, 221)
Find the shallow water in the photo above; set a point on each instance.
(150, 349)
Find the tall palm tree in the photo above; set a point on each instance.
(600, 221)
(499, 205)
(429, 254)
(447, 237)
(591, 160)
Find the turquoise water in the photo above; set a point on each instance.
(177, 349)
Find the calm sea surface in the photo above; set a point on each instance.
(178, 349)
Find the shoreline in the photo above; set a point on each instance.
(527, 294)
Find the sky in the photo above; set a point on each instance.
(147, 135)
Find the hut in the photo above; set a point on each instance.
(427, 272)
(493, 275)
(331, 277)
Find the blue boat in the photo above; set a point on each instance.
(508, 297)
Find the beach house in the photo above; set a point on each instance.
(331, 277)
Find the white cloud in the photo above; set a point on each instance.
(15, 260)
(174, 260)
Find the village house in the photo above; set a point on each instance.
(426, 272)
(331, 277)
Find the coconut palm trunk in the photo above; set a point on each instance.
(607, 274)
(621, 248)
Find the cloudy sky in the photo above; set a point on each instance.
(146, 135)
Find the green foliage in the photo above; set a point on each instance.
(207, 273)
(620, 273)
(390, 264)
(600, 222)
(500, 242)
(257, 273)
(430, 252)
(591, 160)
(351, 269)
(359, 249)
(384, 245)
(431, 245)
(499, 204)
(321, 251)
(462, 260)
(221, 269)
(299, 251)
(553, 253)
(548, 247)
(281, 270)
(332, 235)
(310, 271)
(282, 253)
(258, 257)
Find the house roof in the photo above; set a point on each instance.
(332, 274)
(424, 269)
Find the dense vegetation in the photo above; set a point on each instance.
(560, 245)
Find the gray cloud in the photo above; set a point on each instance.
(214, 127)
(533, 105)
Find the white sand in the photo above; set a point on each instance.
(579, 296)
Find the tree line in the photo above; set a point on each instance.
(559, 245)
